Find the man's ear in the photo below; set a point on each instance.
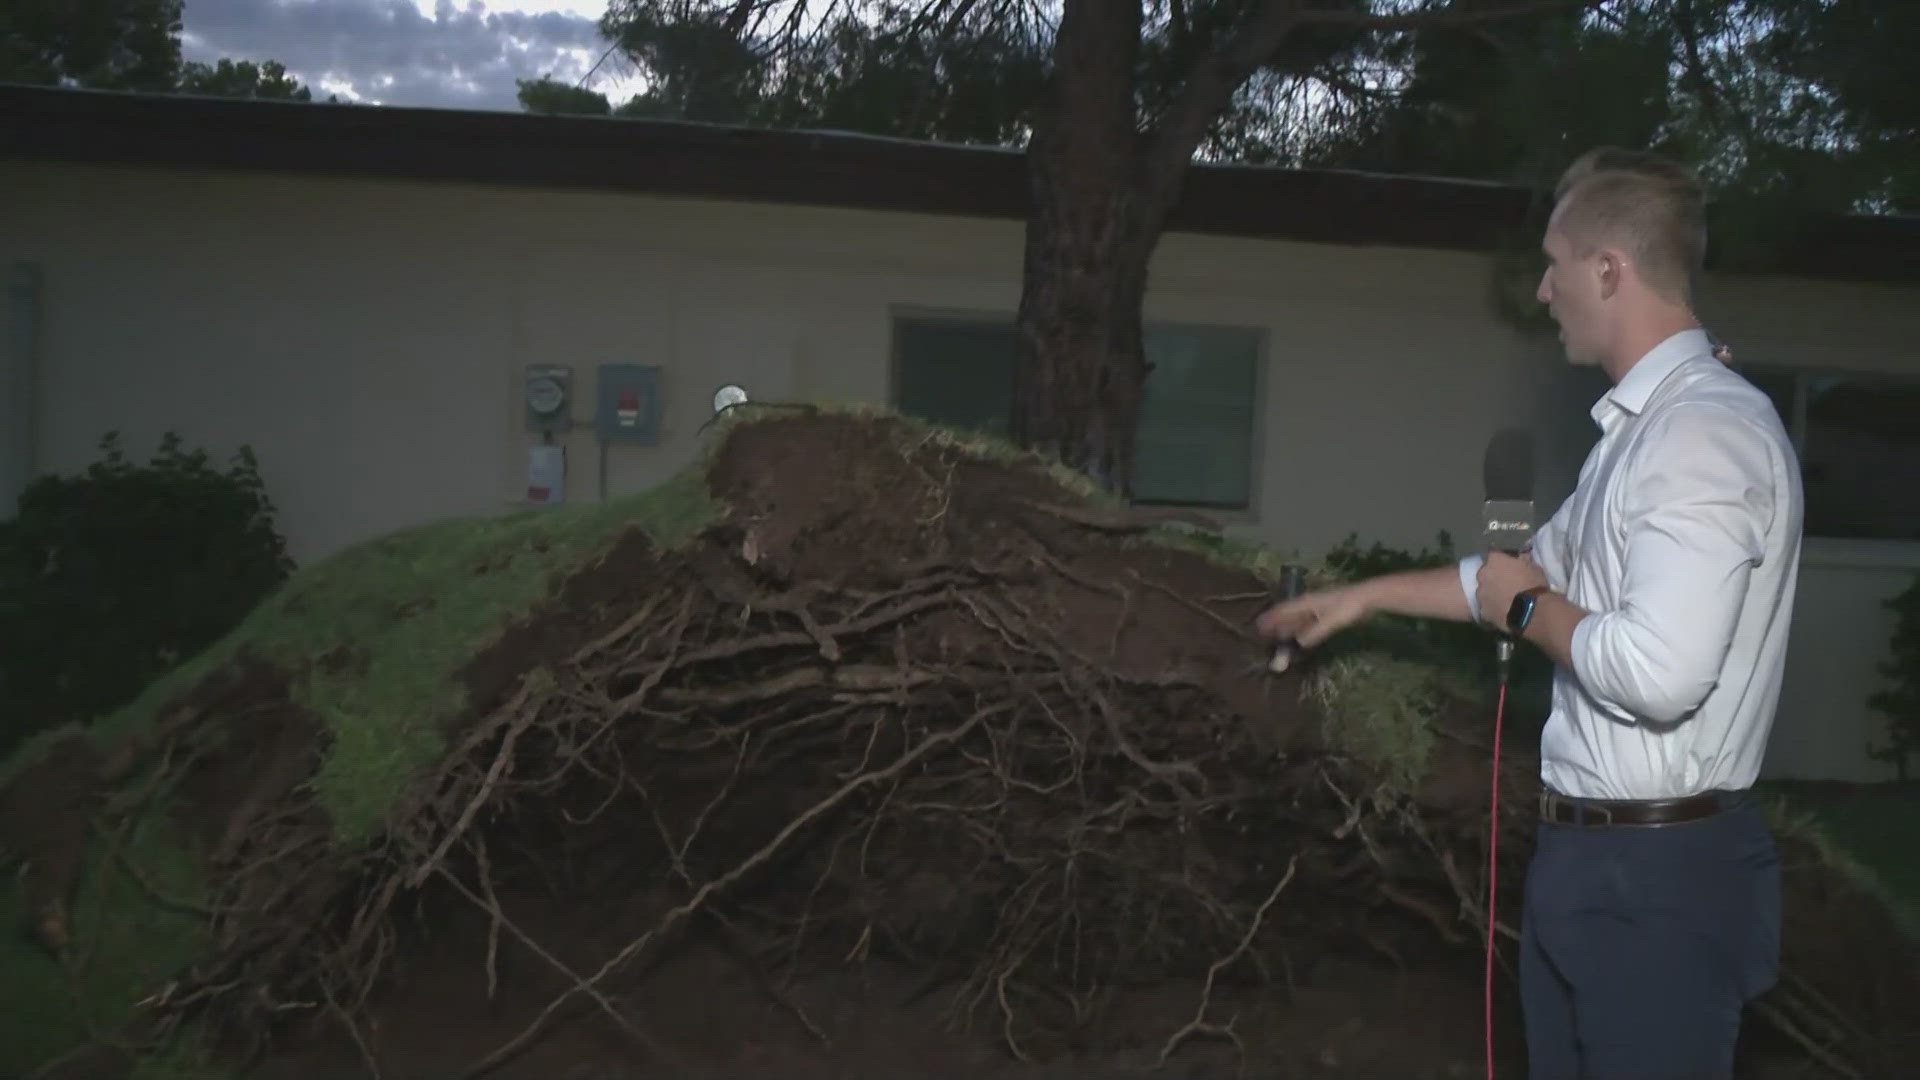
(1611, 267)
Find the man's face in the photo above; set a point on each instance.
(1570, 287)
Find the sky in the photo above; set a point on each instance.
(459, 54)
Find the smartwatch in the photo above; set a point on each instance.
(1521, 613)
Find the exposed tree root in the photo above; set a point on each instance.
(580, 985)
(1199, 1025)
(676, 917)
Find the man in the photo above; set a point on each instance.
(1662, 589)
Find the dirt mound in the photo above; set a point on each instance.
(911, 738)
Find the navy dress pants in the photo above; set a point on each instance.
(1641, 945)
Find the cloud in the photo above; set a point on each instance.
(388, 51)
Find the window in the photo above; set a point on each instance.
(1195, 442)
(1858, 437)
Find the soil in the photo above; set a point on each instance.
(914, 763)
(1352, 1018)
(43, 819)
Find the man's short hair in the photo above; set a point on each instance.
(1652, 207)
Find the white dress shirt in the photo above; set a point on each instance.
(1682, 541)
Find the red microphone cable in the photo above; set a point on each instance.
(1493, 850)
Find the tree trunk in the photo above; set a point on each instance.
(1089, 240)
(1102, 191)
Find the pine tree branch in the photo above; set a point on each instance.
(1694, 65)
(736, 22)
(1218, 76)
(1419, 20)
(951, 12)
(1336, 81)
(1208, 91)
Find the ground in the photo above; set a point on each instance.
(859, 750)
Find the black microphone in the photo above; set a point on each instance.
(1506, 519)
(1507, 516)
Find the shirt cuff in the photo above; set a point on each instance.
(1470, 582)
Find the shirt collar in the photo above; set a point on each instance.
(1634, 391)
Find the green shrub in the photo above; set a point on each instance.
(1349, 561)
(1900, 702)
(110, 578)
(1463, 652)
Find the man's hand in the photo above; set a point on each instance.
(1432, 593)
(1503, 577)
(1308, 620)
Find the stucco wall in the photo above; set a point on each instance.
(368, 340)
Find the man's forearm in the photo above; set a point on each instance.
(1554, 619)
(1309, 620)
(1432, 594)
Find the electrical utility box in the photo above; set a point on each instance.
(548, 398)
(629, 405)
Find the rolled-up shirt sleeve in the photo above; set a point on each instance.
(1470, 582)
(1695, 514)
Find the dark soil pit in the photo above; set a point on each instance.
(915, 761)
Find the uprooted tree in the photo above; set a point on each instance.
(848, 691)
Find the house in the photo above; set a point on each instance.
(371, 298)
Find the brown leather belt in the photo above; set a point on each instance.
(1600, 813)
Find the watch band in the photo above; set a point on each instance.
(1520, 615)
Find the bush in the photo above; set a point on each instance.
(1456, 646)
(1350, 562)
(1462, 650)
(111, 578)
(1900, 702)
